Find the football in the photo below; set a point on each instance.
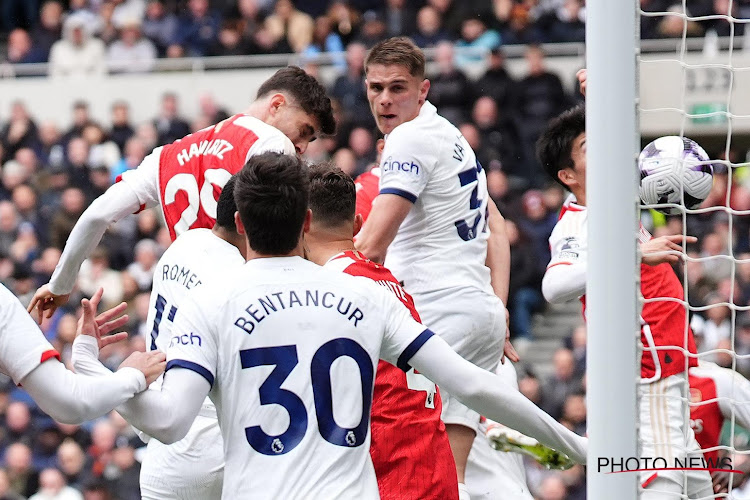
(675, 170)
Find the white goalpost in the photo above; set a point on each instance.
(612, 199)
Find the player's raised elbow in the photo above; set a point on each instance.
(170, 431)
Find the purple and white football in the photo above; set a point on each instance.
(674, 170)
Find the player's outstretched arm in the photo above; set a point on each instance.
(488, 394)
(563, 282)
(387, 214)
(117, 202)
(664, 249)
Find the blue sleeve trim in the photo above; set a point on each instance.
(411, 349)
(181, 363)
(399, 192)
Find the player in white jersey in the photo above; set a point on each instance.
(283, 345)
(185, 178)
(31, 361)
(192, 468)
(429, 224)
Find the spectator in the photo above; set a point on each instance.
(349, 89)
(77, 54)
(577, 344)
(497, 83)
(6, 493)
(561, 383)
(362, 144)
(18, 14)
(19, 132)
(324, 39)
(552, 488)
(169, 124)
(450, 90)
(210, 109)
(346, 20)
(524, 289)
(142, 269)
(540, 97)
(499, 138)
(291, 24)
(96, 273)
(126, 11)
(8, 226)
(399, 17)
(673, 24)
(537, 222)
(249, 18)
(72, 204)
(570, 23)
(159, 26)
(230, 41)
(475, 35)
(49, 28)
(121, 129)
(520, 28)
(96, 491)
(53, 487)
(372, 30)
(574, 412)
(135, 152)
(197, 30)
(346, 160)
(21, 50)
(131, 53)
(24, 480)
(102, 151)
(714, 253)
(429, 31)
(77, 166)
(123, 471)
(712, 328)
(81, 118)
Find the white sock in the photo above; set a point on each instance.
(463, 492)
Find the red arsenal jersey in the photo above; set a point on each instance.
(367, 189)
(410, 448)
(705, 419)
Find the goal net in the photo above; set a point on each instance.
(691, 79)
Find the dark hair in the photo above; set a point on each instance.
(556, 142)
(306, 91)
(400, 51)
(226, 207)
(333, 196)
(271, 192)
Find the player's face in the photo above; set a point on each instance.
(576, 176)
(300, 127)
(395, 95)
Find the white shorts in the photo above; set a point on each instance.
(190, 469)
(664, 433)
(472, 322)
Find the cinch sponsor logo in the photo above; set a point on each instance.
(186, 339)
(615, 465)
(404, 166)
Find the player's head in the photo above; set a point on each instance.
(561, 149)
(226, 207)
(271, 192)
(333, 201)
(396, 86)
(296, 104)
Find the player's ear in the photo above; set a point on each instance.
(358, 223)
(308, 221)
(238, 223)
(565, 176)
(424, 87)
(277, 100)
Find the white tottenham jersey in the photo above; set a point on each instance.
(22, 345)
(290, 350)
(442, 242)
(195, 258)
(732, 390)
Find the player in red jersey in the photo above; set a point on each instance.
(410, 448)
(718, 394)
(562, 152)
(185, 178)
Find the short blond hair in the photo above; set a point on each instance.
(398, 51)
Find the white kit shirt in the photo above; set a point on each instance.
(290, 350)
(195, 258)
(442, 243)
(22, 345)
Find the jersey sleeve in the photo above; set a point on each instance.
(276, 142)
(22, 345)
(144, 180)
(193, 345)
(406, 165)
(404, 336)
(733, 391)
(567, 245)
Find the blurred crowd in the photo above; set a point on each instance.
(50, 173)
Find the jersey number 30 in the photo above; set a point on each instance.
(284, 359)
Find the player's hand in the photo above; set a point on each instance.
(508, 349)
(100, 326)
(720, 480)
(44, 300)
(582, 76)
(151, 364)
(653, 252)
